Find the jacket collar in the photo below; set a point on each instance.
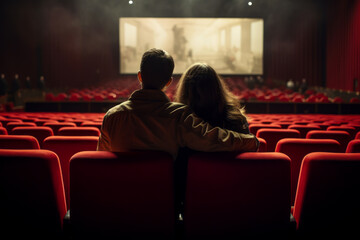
(149, 95)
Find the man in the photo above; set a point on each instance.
(149, 121)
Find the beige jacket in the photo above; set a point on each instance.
(150, 121)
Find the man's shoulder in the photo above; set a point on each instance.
(124, 106)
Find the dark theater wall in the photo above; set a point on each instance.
(343, 45)
(75, 43)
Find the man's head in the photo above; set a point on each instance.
(156, 69)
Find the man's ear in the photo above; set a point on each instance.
(139, 77)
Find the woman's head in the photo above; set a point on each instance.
(201, 88)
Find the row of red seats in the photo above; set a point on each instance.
(228, 195)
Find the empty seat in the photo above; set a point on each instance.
(350, 130)
(304, 129)
(298, 148)
(254, 127)
(272, 136)
(3, 131)
(327, 200)
(231, 195)
(18, 142)
(11, 125)
(132, 195)
(262, 146)
(40, 133)
(79, 131)
(357, 136)
(353, 146)
(33, 202)
(56, 126)
(342, 137)
(65, 147)
(91, 124)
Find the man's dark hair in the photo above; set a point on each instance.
(156, 68)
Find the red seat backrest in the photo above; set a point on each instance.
(40, 133)
(18, 142)
(327, 200)
(272, 136)
(342, 137)
(298, 148)
(56, 126)
(33, 200)
(236, 195)
(127, 194)
(303, 129)
(79, 131)
(254, 127)
(65, 147)
(353, 146)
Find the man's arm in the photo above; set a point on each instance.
(199, 135)
(104, 140)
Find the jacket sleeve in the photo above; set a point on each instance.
(104, 140)
(199, 135)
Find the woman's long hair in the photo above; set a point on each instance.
(204, 91)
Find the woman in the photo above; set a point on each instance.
(202, 89)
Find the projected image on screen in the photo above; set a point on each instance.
(230, 45)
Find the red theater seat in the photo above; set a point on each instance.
(18, 142)
(32, 202)
(65, 147)
(79, 131)
(272, 136)
(3, 131)
(327, 200)
(342, 137)
(357, 135)
(131, 196)
(262, 146)
(297, 149)
(230, 196)
(11, 125)
(350, 130)
(254, 127)
(303, 129)
(40, 133)
(353, 146)
(56, 126)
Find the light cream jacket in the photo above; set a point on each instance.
(150, 121)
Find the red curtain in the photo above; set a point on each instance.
(343, 44)
(293, 45)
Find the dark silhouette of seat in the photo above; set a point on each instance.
(353, 146)
(32, 202)
(18, 142)
(131, 197)
(272, 136)
(65, 147)
(298, 148)
(327, 200)
(40, 133)
(231, 195)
